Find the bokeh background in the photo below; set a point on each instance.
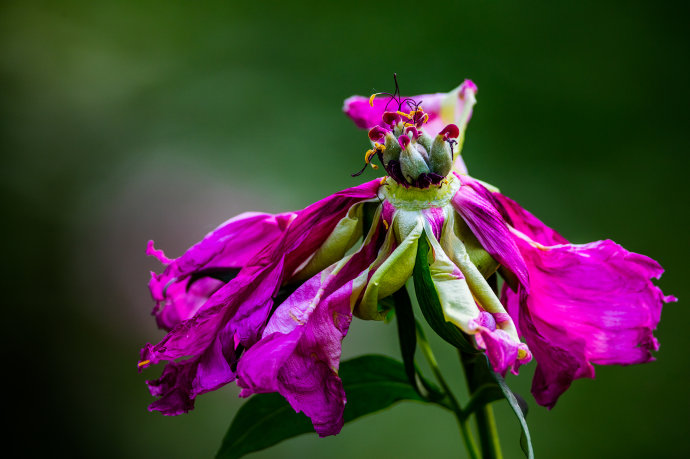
(129, 121)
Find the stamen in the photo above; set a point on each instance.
(368, 155)
(142, 363)
(371, 99)
(385, 224)
(406, 115)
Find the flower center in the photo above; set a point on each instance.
(410, 155)
(412, 198)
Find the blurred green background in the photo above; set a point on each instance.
(129, 121)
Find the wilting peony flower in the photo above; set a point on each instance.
(267, 299)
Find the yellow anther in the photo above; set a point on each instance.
(374, 166)
(143, 362)
(378, 148)
(371, 99)
(383, 180)
(385, 223)
(522, 353)
(368, 155)
(406, 115)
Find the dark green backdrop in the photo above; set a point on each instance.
(124, 121)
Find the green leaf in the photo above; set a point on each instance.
(372, 383)
(525, 439)
(407, 336)
(430, 304)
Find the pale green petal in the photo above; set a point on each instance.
(344, 236)
(457, 302)
(393, 269)
(456, 250)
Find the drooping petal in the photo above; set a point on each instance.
(588, 304)
(299, 353)
(187, 282)
(240, 308)
(443, 108)
(482, 292)
(475, 204)
(457, 303)
(394, 265)
(490, 324)
(182, 381)
(502, 348)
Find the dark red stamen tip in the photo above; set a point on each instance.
(450, 132)
(391, 118)
(421, 120)
(377, 133)
(413, 130)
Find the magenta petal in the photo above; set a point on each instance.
(237, 312)
(182, 381)
(307, 232)
(300, 352)
(364, 115)
(231, 245)
(477, 207)
(591, 303)
(501, 348)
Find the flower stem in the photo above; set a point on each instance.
(486, 422)
(488, 433)
(468, 439)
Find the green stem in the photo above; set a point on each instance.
(486, 422)
(488, 433)
(467, 437)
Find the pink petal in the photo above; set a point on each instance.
(590, 303)
(238, 311)
(232, 245)
(300, 352)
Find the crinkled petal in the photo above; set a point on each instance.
(240, 308)
(182, 381)
(299, 353)
(178, 294)
(590, 303)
